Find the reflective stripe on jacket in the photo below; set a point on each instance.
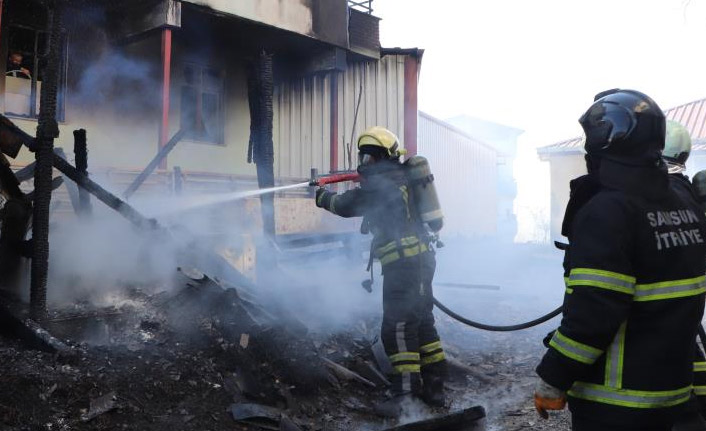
(383, 199)
(634, 297)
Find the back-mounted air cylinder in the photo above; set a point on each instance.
(423, 191)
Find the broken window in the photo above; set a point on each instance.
(202, 100)
(24, 71)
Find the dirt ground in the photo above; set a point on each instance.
(181, 359)
(143, 371)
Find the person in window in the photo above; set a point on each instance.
(15, 68)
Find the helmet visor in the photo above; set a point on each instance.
(365, 159)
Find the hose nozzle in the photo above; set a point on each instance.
(320, 181)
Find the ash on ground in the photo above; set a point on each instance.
(209, 355)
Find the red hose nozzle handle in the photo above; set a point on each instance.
(335, 178)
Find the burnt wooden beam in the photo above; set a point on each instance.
(102, 194)
(26, 173)
(138, 19)
(457, 420)
(32, 334)
(261, 147)
(47, 131)
(70, 185)
(81, 156)
(55, 184)
(161, 154)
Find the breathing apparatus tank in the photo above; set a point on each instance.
(423, 192)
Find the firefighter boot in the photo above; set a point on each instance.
(433, 377)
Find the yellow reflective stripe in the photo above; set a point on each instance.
(408, 252)
(430, 347)
(408, 368)
(630, 398)
(405, 197)
(602, 279)
(432, 359)
(700, 391)
(569, 290)
(670, 289)
(614, 359)
(699, 367)
(404, 356)
(392, 245)
(573, 349)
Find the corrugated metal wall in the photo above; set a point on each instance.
(465, 171)
(381, 104)
(302, 125)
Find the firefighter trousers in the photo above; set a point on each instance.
(408, 333)
(700, 379)
(689, 420)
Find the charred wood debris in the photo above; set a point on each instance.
(209, 355)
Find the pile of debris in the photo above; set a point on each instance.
(205, 356)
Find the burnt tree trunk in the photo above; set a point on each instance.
(81, 154)
(47, 131)
(261, 149)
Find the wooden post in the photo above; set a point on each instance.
(81, 155)
(261, 151)
(47, 131)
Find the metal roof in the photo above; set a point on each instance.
(691, 115)
(450, 127)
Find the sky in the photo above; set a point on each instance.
(536, 65)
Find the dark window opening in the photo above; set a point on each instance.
(24, 72)
(202, 101)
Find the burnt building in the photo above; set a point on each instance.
(134, 73)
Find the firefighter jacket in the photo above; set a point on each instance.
(383, 199)
(635, 295)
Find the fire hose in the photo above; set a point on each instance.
(497, 328)
(322, 180)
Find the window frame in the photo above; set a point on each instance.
(202, 89)
(63, 72)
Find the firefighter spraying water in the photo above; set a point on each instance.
(399, 207)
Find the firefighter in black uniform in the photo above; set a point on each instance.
(677, 149)
(624, 353)
(402, 246)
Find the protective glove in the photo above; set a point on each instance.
(320, 193)
(547, 397)
(548, 338)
